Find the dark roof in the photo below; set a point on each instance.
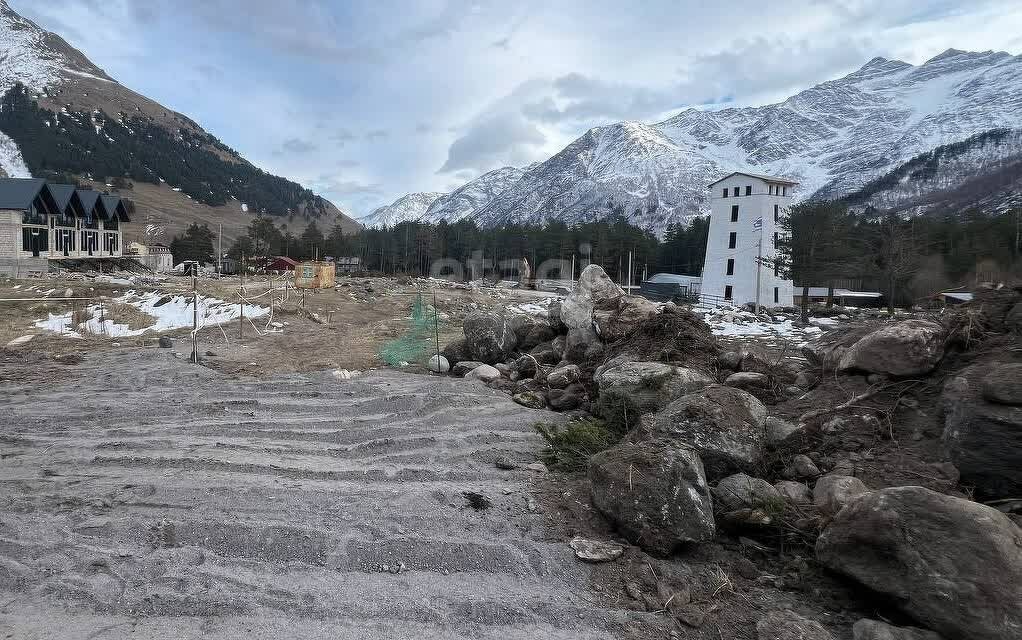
(115, 206)
(18, 193)
(756, 175)
(93, 204)
(62, 193)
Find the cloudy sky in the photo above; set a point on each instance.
(365, 101)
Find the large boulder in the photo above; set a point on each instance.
(582, 345)
(489, 336)
(1003, 384)
(568, 398)
(724, 425)
(867, 629)
(563, 376)
(984, 439)
(949, 563)
(833, 492)
(644, 387)
(593, 290)
(908, 348)
(548, 352)
(457, 351)
(531, 330)
(484, 372)
(654, 492)
(461, 368)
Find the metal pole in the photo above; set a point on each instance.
(241, 305)
(629, 273)
(219, 248)
(436, 331)
(759, 265)
(573, 271)
(195, 319)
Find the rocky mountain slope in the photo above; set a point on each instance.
(833, 138)
(407, 207)
(57, 99)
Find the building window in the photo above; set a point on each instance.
(727, 292)
(771, 189)
(748, 190)
(736, 191)
(734, 213)
(725, 192)
(777, 295)
(777, 212)
(775, 238)
(732, 240)
(785, 192)
(35, 240)
(730, 266)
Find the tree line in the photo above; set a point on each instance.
(823, 244)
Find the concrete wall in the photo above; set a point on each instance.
(760, 204)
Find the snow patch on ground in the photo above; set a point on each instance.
(738, 323)
(11, 161)
(175, 313)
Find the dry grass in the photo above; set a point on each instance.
(122, 313)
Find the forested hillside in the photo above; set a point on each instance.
(102, 146)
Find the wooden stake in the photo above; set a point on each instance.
(195, 319)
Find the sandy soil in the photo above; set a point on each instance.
(146, 497)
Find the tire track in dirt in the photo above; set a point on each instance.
(140, 490)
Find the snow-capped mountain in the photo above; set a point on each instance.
(404, 209)
(473, 195)
(80, 99)
(833, 138)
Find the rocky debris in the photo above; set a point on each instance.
(949, 563)
(805, 381)
(439, 364)
(20, 340)
(568, 398)
(483, 372)
(740, 491)
(654, 492)
(730, 360)
(582, 345)
(801, 467)
(748, 380)
(724, 425)
(563, 376)
(1003, 384)
(524, 367)
(460, 369)
(833, 492)
(531, 331)
(984, 439)
(794, 492)
(477, 501)
(781, 433)
(549, 353)
(646, 386)
(505, 463)
(788, 625)
(907, 348)
(827, 350)
(489, 336)
(616, 322)
(166, 342)
(675, 334)
(867, 629)
(596, 550)
(530, 399)
(538, 467)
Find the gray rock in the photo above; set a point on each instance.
(647, 386)
(833, 492)
(568, 398)
(730, 360)
(457, 351)
(908, 348)
(984, 439)
(547, 353)
(561, 377)
(781, 433)
(801, 466)
(724, 425)
(788, 625)
(616, 322)
(867, 629)
(582, 345)
(439, 364)
(748, 380)
(794, 492)
(1003, 384)
(530, 399)
(525, 366)
(593, 290)
(740, 491)
(483, 372)
(505, 463)
(166, 342)
(595, 550)
(949, 563)
(806, 381)
(489, 336)
(654, 492)
(463, 367)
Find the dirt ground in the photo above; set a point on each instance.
(147, 497)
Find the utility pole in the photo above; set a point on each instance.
(241, 305)
(573, 271)
(759, 266)
(629, 273)
(219, 248)
(195, 319)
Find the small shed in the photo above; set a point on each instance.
(315, 275)
(281, 264)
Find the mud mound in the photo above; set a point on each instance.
(673, 335)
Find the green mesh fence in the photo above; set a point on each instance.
(418, 343)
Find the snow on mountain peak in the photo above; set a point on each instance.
(406, 208)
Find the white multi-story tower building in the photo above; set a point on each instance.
(745, 214)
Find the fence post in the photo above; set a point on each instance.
(195, 319)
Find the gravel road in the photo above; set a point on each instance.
(144, 497)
